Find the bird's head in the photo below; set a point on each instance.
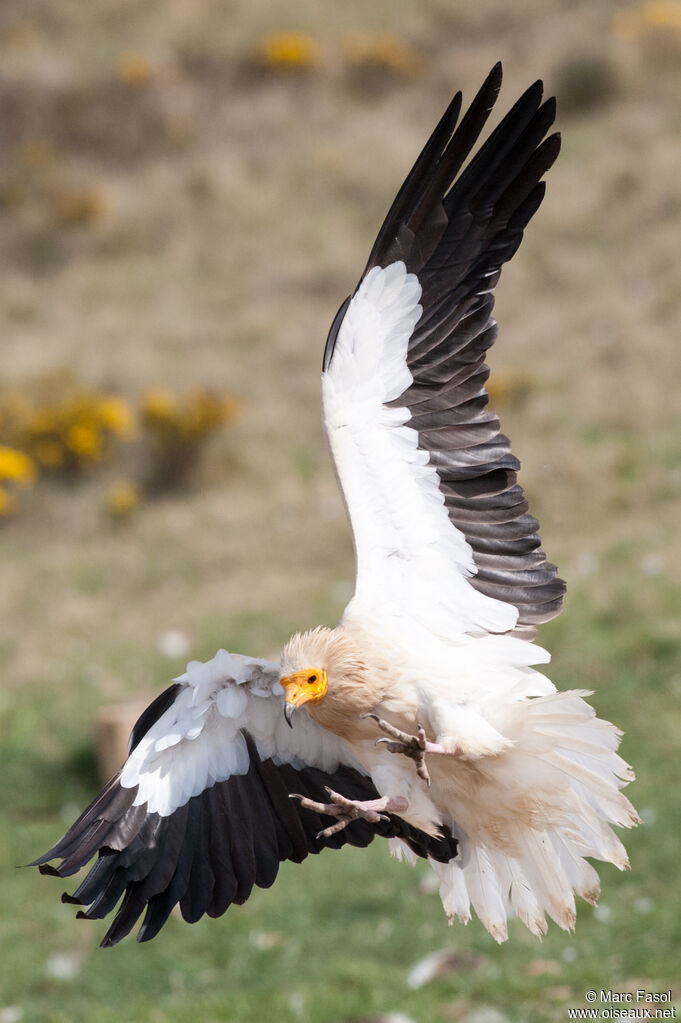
(314, 664)
(306, 686)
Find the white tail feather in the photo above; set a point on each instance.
(453, 890)
(526, 818)
(485, 888)
(524, 901)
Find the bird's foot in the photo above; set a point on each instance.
(347, 810)
(414, 746)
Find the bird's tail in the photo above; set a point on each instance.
(527, 818)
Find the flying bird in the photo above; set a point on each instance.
(422, 717)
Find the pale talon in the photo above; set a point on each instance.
(413, 746)
(348, 810)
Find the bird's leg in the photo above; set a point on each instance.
(413, 746)
(347, 810)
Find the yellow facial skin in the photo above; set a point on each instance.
(307, 686)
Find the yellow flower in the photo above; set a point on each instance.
(122, 498)
(652, 18)
(83, 441)
(15, 465)
(289, 51)
(115, 415)
(134, 68)
(661, 14)
(158, 404)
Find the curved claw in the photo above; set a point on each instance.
(413, 746)
(347, 810)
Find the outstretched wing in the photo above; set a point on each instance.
(441, 528)
(201, 811)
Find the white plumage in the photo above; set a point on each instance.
(198, 741)
(411, 561)
(505, 785)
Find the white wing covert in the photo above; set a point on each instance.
(201, 811)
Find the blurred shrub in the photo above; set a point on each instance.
(508, 390)
(35, 177)
(27, 174)
(121, 113)
(377, 59)
(80, 206)
(123, 498)
(66, 432)
(655, 25)
(72, 435)
(178, 429)
(287, 51)
(16, 469)
(35, 154)
(584, 83)
(653, 16)
(134, 69)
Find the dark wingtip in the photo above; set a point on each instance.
(550, 106)
(46, 868)
(41, 861)
(493, 81)
(550, 148)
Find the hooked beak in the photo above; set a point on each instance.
(292, 696)
(300, 688)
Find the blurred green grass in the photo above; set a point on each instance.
(336, 937)
(236, 211)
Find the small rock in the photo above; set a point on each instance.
(11, 1014)
(64, 965)
(542, 967)
(439, 964)
(388, 1017)
(644, 904)
(173, 643)
(485, 1014)
(561, 993)
(651, 564)
(264, 940)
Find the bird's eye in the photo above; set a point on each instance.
(311, 678)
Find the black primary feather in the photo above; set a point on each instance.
(211, 852)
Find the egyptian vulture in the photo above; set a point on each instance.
(421, 717)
